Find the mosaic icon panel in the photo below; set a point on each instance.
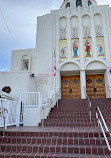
(75, 48)
(63, 49)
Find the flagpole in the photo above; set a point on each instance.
(55, 69)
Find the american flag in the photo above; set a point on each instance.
(55, 69)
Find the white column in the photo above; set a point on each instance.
(81, 38)
(107, 77)
(58, 77)
(56, 48)
(68, 35)
(58, 80)
(92, 28)
(108, 23)
(82, 83)
(109, 34)
(106, 42)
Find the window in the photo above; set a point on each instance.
(89, 3)
(99, 31)
(78, 3)
(62, 33)
(67, 5)
(74, 32)
(86, 31)
(25, 64)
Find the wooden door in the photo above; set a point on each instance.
(95, 86)
(100, 86)
(90, 84)
(70, 87)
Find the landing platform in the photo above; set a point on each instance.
(52, 129)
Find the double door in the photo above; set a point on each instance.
(95, 86)
(70, 86)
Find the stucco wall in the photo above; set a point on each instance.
(16, 59)
(17, 81)
(45, 52)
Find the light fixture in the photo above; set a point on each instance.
(32, 75)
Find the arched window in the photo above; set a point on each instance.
(89, 3)
(67, 5)
(78, 3)
(25, 63)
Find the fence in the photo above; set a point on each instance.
(29, 100)
(11, 112)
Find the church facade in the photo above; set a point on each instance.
(78, 36)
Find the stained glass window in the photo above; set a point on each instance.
(89, 3)
(67, 5)
(78, 3)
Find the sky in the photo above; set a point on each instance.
(18, 31)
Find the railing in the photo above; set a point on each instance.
(54, 98)
(29, 99)
(98, 117)
(10, 113)
(4, 95)
(51, 102)
(89, 104)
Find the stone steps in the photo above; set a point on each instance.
(45, 155)
(67, 133)
(52, 141)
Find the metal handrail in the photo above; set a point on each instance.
(3, 96)
(89, 104)
(100, 124)
(3, 113)
(54, 96)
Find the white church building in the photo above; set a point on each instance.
(78, 35)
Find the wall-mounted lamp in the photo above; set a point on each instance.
(32, 75)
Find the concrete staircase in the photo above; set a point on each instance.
(67, 133)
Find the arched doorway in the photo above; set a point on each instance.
(95, 82)
(70, 81)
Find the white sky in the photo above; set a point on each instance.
(21, 17)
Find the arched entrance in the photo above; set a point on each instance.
(70, 81)
(95, 83)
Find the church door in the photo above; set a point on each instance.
(95, 86)
(70, 86)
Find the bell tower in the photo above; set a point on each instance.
(77, 3)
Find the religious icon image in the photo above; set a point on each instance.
(88, 48)
(63, 52)
(100, 48)
(63, 49)
(75, 48)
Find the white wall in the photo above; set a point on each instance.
(32, 116)
(45, 51)
(17, 81)
(16, 59)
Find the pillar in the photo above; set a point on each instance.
(82, 83)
